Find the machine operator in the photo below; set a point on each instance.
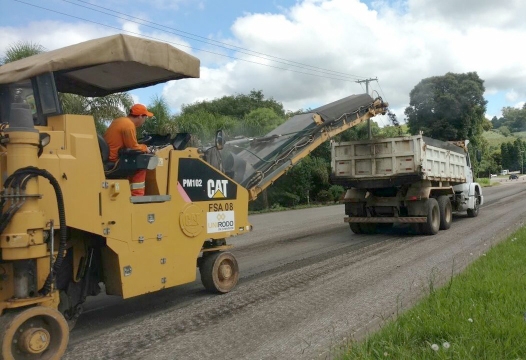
(122, 133)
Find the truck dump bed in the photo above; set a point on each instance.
(395, 161)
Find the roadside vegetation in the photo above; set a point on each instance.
(485, 182)
(478, 314)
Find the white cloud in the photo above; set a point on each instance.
(512, 96)
(56, 34)
(400, 45)
(400, 42)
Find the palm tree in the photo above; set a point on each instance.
(103, 109)
(20, 50)
(162, 123)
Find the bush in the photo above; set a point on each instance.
(324, 196)
(337, 192)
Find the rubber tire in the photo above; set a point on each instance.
(52, 319)
(475, 212)
(446, 212)
(368, 228)
(383, 227)
(356, 228)
(432, 225)
(209, 269)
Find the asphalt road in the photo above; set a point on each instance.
(308, 286)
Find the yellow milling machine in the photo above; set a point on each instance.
(68, 219)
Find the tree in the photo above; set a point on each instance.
(359, 132)
(236, 106)
(513, 118)
(162, 122)
(260, 122)
(391, 131)
(20, 50)
(505, 131)
(103, 109)
(449, 107)
(203, 124)
(506, 155)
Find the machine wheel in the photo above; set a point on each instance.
(356, 228)
(474, 212)
(432, 225)
(446, 212)
(36, 333)
(219, 272)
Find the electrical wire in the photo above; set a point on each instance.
(210, 41)
(186, 46)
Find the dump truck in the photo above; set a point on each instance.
(68, 220)
(409, 179)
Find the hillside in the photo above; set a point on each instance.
(495, 138)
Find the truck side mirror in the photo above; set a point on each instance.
(220, 140)
(478, 155)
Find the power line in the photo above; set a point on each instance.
(208, 41)
(186, 46)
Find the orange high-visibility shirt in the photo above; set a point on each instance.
(122, 134)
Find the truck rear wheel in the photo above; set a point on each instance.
(356, 228)
(368, 228)
(219, 272)
(432, 225)
(446, 212)
(35, 333)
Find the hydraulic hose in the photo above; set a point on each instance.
(19, 180)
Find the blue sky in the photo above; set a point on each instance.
(318, 48)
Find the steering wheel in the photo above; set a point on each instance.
(145, 139)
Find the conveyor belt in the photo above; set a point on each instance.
(264, 159)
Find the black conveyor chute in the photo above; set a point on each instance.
(263, 159)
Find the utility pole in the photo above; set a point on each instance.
(367, 81)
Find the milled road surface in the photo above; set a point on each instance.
(308, 285)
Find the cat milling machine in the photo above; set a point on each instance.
(68, 220)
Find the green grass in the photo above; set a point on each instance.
(479, 314)
(520, 134)
(495, 138)
(486, 182)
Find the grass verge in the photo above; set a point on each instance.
(486, 182)
(479, 314)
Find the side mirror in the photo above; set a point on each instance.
(478, 155)
(44, 140)
(220, 140)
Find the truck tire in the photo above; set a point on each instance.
(432, 225)
(356, 228)
(446, 212)
(475, 211)
(368, 228)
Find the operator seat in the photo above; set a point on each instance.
(129, 161)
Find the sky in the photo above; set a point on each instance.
(302, 53)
